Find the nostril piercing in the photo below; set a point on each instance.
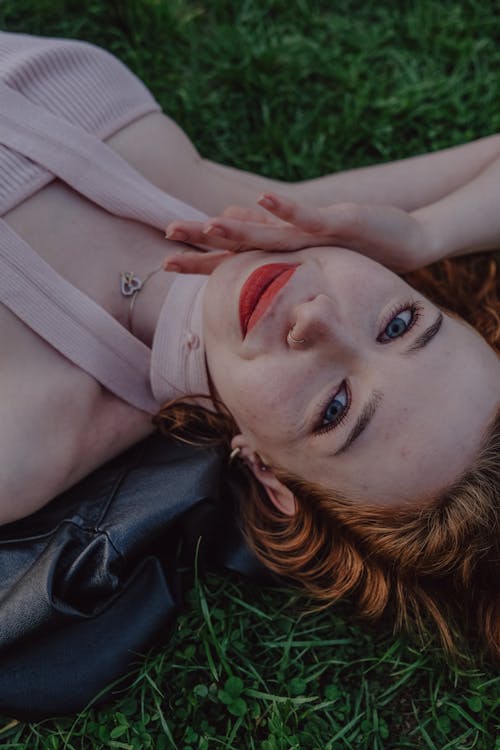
(292, 338)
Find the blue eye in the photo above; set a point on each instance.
(336, 409)
(399, 325)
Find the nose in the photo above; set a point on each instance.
(318, 324)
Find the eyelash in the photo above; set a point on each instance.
(321, 429)
(416, 311)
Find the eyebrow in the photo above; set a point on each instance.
(369, 409)
(362, 422)
(426, 336)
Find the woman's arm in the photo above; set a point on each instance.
(466, 220)
(407, 183)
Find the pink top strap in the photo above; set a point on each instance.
(75, 81)
(56, 309)
(86, 163)
(73, 323)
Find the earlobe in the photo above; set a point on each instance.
(279, 494)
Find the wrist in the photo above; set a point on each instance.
(432, 244)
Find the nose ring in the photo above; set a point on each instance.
(291, 338)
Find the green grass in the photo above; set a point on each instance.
(246, 668)
(292, 90)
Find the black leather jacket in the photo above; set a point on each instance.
(109, 551)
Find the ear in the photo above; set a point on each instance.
(277, 492)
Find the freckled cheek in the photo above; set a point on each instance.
(266, 400)
(389, 440)
(395, 436)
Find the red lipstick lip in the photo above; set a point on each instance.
(259, 290)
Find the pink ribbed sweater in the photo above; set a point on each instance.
(58, 100)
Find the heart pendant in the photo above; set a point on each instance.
(129, 284)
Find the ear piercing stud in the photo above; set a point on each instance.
(234, 453)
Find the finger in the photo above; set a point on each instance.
(180, 231)
(245, 235)
(247, 214)
(194, 233)
(250, 214)
(309, 219)
(199, 263)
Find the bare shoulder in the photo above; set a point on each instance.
(161, 151)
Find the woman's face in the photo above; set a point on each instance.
(385, 399)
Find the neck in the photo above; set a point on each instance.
(148, 304)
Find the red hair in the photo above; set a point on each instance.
(440, 564)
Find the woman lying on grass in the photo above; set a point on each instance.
(367, 413)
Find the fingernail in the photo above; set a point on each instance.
(215, 231)
(174, 267)
(176, 234)
(267, 202)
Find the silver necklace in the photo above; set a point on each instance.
(130, 286)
